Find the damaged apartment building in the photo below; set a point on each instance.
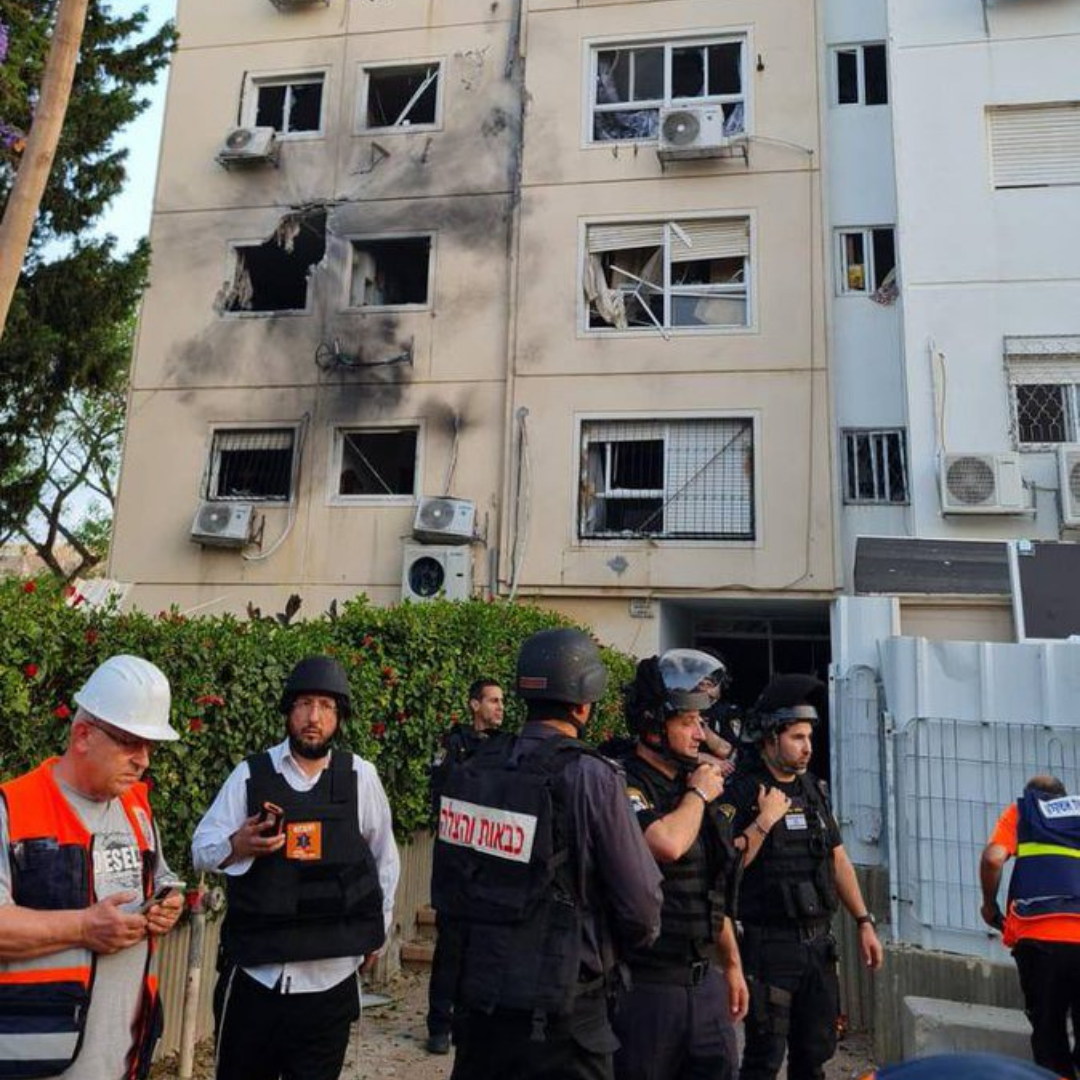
(492, 298)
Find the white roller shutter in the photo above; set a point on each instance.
(621, 236)
(716, 238)
(1035, 145)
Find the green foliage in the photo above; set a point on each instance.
(409, 666)
(67, 337)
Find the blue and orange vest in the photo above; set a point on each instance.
(44, 1001)
(1046, 877)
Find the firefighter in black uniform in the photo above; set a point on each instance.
(458, 745)
(797, 874)
(675, 1022)
(538, 855)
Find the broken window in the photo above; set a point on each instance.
(377, 462)
(290, 104)
(875, 466)
(632, 84)
(390, 272)
(401, 96)
(861, 75)
(274, 275)
(251, 464)
(667, 274)
(673, 479)
(867, 260)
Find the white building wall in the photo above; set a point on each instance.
(979, 264)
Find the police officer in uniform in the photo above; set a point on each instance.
(303, 834)
(458, 745)
(675, 1022)
(538, 855)
(797, 874)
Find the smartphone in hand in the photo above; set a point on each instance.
(273, 813)
(162, 892)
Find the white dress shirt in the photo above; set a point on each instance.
(211, 846)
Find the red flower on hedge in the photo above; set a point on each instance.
(91, 637)
(69, 590)
(195, 724)
(368, 640)
(31, 670)
(29, 587)
(61, 712)
(378, 730)
(210, 699)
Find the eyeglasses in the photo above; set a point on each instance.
(322, 705)
(130, 743)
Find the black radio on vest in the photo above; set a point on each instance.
(319, 896)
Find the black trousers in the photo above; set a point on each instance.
(1050, 980)
(266, 1035)
(673, 1032)
(794, 1002)
(511, 1045)
(445, 966)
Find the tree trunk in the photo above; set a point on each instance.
(41, 142)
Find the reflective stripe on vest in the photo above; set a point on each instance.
(1046, 877)
(44, 1001)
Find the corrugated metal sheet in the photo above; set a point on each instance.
(1035, 145)
(900, 566)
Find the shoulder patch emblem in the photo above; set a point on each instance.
(439, 757)
(727, 810)
(638, 802)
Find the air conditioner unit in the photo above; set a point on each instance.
(695, 131)
(222, 524)
(288, 5)
(982, 484)
(248, 146)
(442, 520)
(1069, 472)
(436, 570)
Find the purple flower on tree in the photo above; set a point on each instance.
(3, 42)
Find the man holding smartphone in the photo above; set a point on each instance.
(84, 889)
(303, 834)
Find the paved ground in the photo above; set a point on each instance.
(389, 1042)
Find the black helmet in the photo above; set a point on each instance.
(786, 700)
(318, 675)
(561, 665)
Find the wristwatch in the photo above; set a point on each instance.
(864, 920)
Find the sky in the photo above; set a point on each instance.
(128, 217)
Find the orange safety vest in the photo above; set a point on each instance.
(44, 1001)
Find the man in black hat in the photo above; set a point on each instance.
(303, 834)
(797, 875)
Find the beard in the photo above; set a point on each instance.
(313, 751)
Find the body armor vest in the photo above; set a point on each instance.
(44, 1001)
(1046, 877)
(319, 896)
(699, 889)
(503, 870)
(796, 861)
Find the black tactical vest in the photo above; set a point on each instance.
(795, 862)
(319, 896)
(700, 887)
(503, 870)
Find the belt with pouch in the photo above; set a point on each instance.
(677, 975)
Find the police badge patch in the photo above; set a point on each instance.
(638, 802)
(727, 810)
(439, 757)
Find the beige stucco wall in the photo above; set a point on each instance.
(473, 359)
(959, 621)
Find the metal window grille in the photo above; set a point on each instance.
(677, 479)
(875, 467)
(1045, 412)
(953, 780)
(252, 464)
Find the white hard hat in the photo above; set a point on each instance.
(131, 694)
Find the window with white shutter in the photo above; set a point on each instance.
(1034, 145)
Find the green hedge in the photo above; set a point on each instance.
(410, 667)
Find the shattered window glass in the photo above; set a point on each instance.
(390, 272)
(402, 96)
(634, 83)
(289, 105)
(689, 273)
(378, 462)
(273, 276)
